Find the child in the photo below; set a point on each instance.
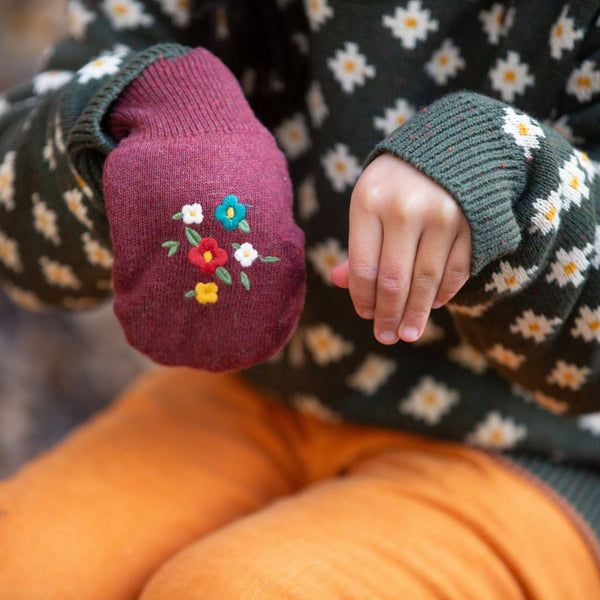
(198, 485)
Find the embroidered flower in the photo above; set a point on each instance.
(350, 67)
(467, 356)
(191, 214)
(558, 407)
(23, 298)
(178, 10)
(59, 141)
(96, 253)
(505, 357)
(246, 254)
(326, 346)
(317, 11)
(222, 24)
(568, 375)
(326, 255)
(524, 130)
(308, 404)
(230, 212)
(108, 64)
(126, 14)
(44, 220)
(590, 167)
(562, 127)
(509, 278)
(74, 200)
(510, 77)
(9, 253)
(7, 180)
(572, 187)
(207, 256)
(431, 333)
(587, 324)
(341, 168)
(563, 34)
(49, 154)
(58, 274)
(372, 373)
(206, 293)
(308, 204)
(474, 311)
(584, 81)
(445, 63)
(569, 266)
(50, 80)
(394, 117)
(496, 22)
(295, 350)
(78, 18)
(497, 433)
(547, 213)
(532, 326)
(591, 422)
(317, 108)
(429, 401)
(302, 42)
(410, 24)
(293, 137)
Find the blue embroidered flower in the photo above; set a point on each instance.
(230, 212)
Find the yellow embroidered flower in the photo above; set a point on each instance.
(207, 293)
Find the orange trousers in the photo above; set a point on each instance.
(194, 487)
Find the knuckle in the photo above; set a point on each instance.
(454, 279)
(392, 280)
(363, 272)
(425, 280)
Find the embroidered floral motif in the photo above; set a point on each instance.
(232, 214)
(191, 214)
(245, 254)
(207, 256)
(205, 293)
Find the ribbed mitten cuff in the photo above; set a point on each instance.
(460, 143)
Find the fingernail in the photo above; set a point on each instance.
(409, 334)
(387, 337)
(367, 314)
(437, 304)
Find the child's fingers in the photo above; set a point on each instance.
(457, 271)
(340, 275)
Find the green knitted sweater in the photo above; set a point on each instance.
(498, 102)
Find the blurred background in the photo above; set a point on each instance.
(56, 369)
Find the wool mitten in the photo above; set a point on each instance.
(208, 262)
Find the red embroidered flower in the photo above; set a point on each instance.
(207, 256)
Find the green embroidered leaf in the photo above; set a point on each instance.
(235, 246)
(178, 215)
(245, 280)
(269, 259)
(192, 236)
(223, 274)
(172, 246)
(190, 294)
(244, 226)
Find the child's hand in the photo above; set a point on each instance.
(409, 249)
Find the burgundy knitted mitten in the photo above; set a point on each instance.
(208, 262)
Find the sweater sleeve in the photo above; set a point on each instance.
(532, 200)
(54, 237)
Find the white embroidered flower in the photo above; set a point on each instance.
(44, 220)
(341, 168)
(568, 375)
(587, 324)
(74, 200)
(50, 80)
(524, 130)
(591, 422)
(58, 274)
(590, 167)
(317, 108)
(9, 253)
(563, 34)
(547, 213)
(99, 67)
(505, 357)
(595, 260)
(572, 187)
(562, 127)
(371, 374)
(308, 404)
(584, 81)
(509, 278)
(24, 298)
(429, 401)
(496, 22)
(302, 42)
(394, 117)
(126, 14)
(222, 29)
(475, 310)
(497, 433)
(411, 24)
(350, 67)
(248, 81)
(431, 333)
(569, 266)
(308, 204)
(4, 105)
(178, 10)
(558, 407)
(317, 11)
(49, 154)
(96, 253)
(78, 18)
(292, 136)
(510, 77)
(467, 356)
(192, 214)
(295, 348)
(59, 141)
(326, 346)
(532, 326)
(246, 254)
(326, 255)
(7, 180)
(445, 63)
(87, 191)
